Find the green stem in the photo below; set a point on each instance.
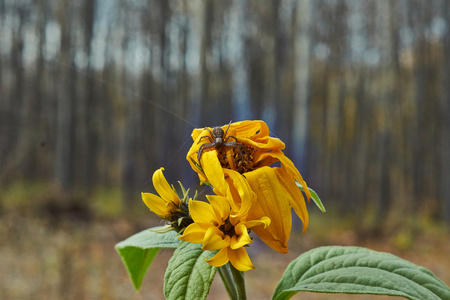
(233, 281)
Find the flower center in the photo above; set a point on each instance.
(227, 228)
(240, 161)
(180, 218)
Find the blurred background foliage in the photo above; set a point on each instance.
(96, 95)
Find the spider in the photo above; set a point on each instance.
(219, 141)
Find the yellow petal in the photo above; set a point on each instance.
(214, 239)
(192, 159)
(292, 170)
(216, 177)
(265, 221)
(240, 260)
(220, 259)
(191, 156)
(241, 238)
(213, 171)
(296, 200)
(192, 153)
(273, 201)
(243, 201)
(220, 206)
(264, 160)
(266, 144)
(256, 134)
(155, 203)
(250, 129)
(202, 212)
(163, 188)
(194, 233)
(271, 240)
(197, 133)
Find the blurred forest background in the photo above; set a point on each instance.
(96, 95)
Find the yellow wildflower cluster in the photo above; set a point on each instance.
(255, 187)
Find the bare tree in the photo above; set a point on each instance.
(301, 89)
(445, 113)
(239, 62)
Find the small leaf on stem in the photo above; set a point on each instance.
(314, 197)
(139, 250)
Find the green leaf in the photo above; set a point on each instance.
(188, 275)
(354, 270)
(139, 250)
(314, 197)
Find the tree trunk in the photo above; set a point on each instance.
(445, 145)
(91, 106)
(240, 101)
(64, 108)
(301, 88)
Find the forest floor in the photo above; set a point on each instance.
(52, 252)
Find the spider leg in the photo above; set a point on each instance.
(237, 146)
(209, 130)
(200, 151)
(205, 136)
(226, 130)
(231, 136)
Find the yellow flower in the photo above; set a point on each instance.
(216, 228)
(168, 205)
(246, 149)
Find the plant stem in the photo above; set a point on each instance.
(233, 281)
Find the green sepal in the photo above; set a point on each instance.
(139, 250)
(200, 169)
(314, 197)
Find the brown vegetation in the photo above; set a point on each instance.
(73, 257)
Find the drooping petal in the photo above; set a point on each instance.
(155, 203)
(291, 169)
(213, 171)
(220, 259)
(201, 212)
(194, 233)
(240, 260)
(263, 159)
(214, 239)
(216, 177)
(241, 238)
(273, 200)
(270, 239)
(163, 187)
(296, 200)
